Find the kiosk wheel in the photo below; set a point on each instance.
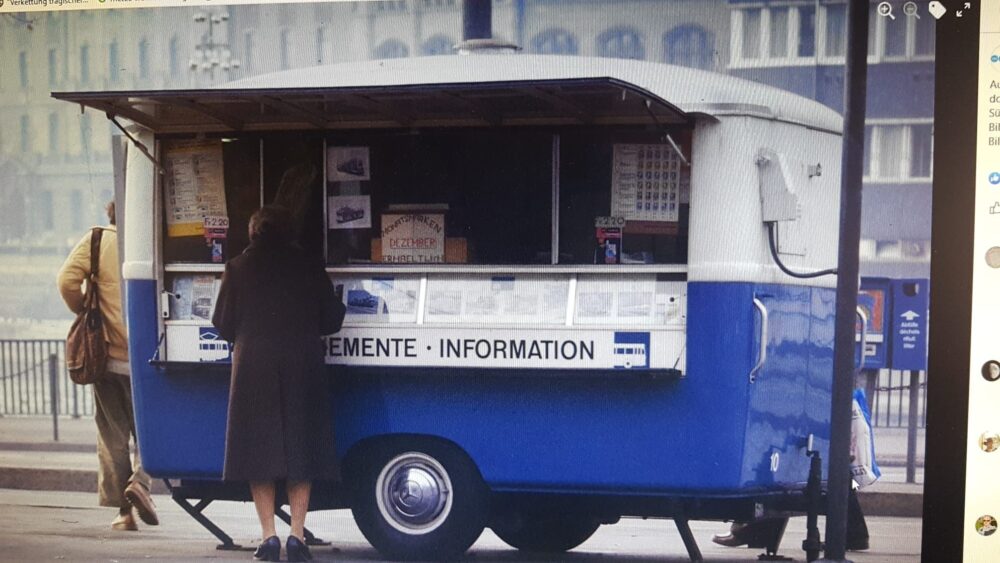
(420, 500)
(544, 532)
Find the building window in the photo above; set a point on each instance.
(391, 49)
(114, 64)
(836, 30)
(438, 45)
(86, 136)
(776, 35)
(53, 70)
(320, 45)
(621, 43)
(85, 63)
(43, 210)
(283, 49)
(923, 37)
(688, 45)
(144, 59)
(25, 134)
(174, 58)
(807, 31)
(902, 38)
(921, 149)
(248, 48)
(555, 42)
(22, 63)
(76, 209)
(53, 133)
(898, 152)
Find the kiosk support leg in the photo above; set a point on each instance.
(689, 542)
(287, 519)
(195, 512)
(814, 499)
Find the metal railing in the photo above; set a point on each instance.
(893, 398)
(33, 378)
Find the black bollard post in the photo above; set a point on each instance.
(911, 431)
(54, 394)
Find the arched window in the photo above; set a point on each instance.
(391, 49)
(175, 58)
(114, 63)
(621, 43)
(283, 49)
(555, 41)
(144, 58)
(438, 45)
(688, 45)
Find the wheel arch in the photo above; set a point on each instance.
(356, 455)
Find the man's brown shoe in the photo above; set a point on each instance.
(139, 497)
(124, 523)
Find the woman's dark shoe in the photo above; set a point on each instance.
(857, 545)
(268, 550)
(296, 550)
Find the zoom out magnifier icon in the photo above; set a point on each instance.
(885, 10)
(910, 10)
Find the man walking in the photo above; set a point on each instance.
(121, 482)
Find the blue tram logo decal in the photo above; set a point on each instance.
(211, 346)
(631, 350)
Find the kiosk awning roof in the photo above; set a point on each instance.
(475, 90)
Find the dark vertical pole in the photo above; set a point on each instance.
(852, 167)
(519, 8)
(911, 430)
(54, 394)
(477, 19)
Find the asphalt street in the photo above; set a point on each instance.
(68, 526)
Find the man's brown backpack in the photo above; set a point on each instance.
(86, 349)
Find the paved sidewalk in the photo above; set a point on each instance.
(31, 460)
(53, 526)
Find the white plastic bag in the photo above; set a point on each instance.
(864, 468)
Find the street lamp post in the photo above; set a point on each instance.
(211, 54)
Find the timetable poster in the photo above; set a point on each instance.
(195, 187)
(645, 183)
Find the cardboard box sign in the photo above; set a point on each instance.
(456, 250)
(412, 238)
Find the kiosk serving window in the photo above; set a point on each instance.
(465, 196)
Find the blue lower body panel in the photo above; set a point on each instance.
(712, 432)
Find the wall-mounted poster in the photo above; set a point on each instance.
(413, 238)
(347, 164)
(195, 187)
(349, 212)
(646, 183)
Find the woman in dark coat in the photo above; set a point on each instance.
(274, 304)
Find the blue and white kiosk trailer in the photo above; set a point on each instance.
(537, 376)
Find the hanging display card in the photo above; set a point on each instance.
(413, 238)
(349, 212)
(645, 182)
(347, 164)
(195, 187)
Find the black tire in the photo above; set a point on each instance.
(446, 506)
(545, 532)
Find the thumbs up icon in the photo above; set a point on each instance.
(995, 208)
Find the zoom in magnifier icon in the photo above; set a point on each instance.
(885, 10)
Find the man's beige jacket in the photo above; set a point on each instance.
(75, 271)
